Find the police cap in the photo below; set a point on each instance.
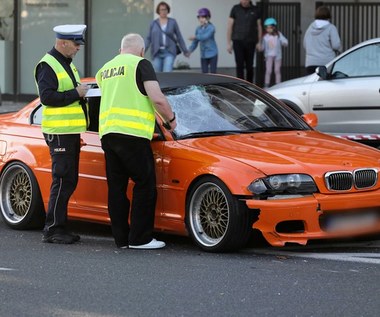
(73, 32)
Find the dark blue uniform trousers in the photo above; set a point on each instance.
(64, 152)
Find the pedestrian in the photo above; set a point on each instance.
(63, 119)
(164, 39)
(321, 41)
(205, 36)
(130, 97)
(271, 44)
(244, 32)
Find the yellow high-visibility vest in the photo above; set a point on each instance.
(66, 119)
(123, 108)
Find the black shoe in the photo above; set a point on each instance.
(60, 238)
(75, 237)
(60, 235)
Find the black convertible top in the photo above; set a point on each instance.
(180, 79)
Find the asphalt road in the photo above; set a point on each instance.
(93, 278)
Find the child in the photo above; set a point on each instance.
(204, 34)
(271, 44)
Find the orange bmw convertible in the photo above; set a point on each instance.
(238, 160)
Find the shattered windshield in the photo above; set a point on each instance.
(221, 109)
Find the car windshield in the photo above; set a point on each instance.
(204, 110)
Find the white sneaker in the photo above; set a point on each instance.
(154, 244)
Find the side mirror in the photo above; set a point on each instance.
(311, 119)
(322, 72)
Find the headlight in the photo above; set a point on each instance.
(283, 184)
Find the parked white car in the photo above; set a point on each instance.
(345, 94)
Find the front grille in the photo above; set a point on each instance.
(345, 180)
(365, 178)
(339, 180)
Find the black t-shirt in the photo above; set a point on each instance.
(145, 72)
(245, 23)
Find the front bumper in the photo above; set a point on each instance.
(308, 217)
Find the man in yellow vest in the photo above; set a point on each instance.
(64, 117)
(130, 97)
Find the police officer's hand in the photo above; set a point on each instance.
(82, 90)
(173, 125)
(170, 126)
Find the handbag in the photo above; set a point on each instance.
(177, 47)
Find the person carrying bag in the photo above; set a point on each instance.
(164, 40)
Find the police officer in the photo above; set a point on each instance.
(64, 117)
(130, 96)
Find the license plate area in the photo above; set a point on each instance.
(349, 221)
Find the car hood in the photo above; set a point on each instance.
(307, 152)
(295, 82)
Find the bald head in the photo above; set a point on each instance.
(132, 44)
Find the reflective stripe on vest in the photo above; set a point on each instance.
(123, 108)
(66, 119)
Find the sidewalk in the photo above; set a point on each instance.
(9, 106)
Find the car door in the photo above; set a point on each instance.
(89, 200)
(91, 194)
(349, 101)
(92, 191)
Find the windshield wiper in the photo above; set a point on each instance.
(271, 129)
(208, 133)
(232, 132)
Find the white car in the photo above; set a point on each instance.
(345, 94)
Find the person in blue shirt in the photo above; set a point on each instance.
(205, 36)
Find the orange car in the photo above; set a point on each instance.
(238, 159)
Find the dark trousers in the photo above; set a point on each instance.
(64, 153)
(130, 158)
(244, 53)
(209, 64)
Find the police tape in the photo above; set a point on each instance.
(358, 137)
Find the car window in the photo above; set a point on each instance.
(93, 113)
(363, 62)
(36, 116)
(221, 108)
(240, 103)
(197, 111)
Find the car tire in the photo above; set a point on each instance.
(20, 198)
(217, 221)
